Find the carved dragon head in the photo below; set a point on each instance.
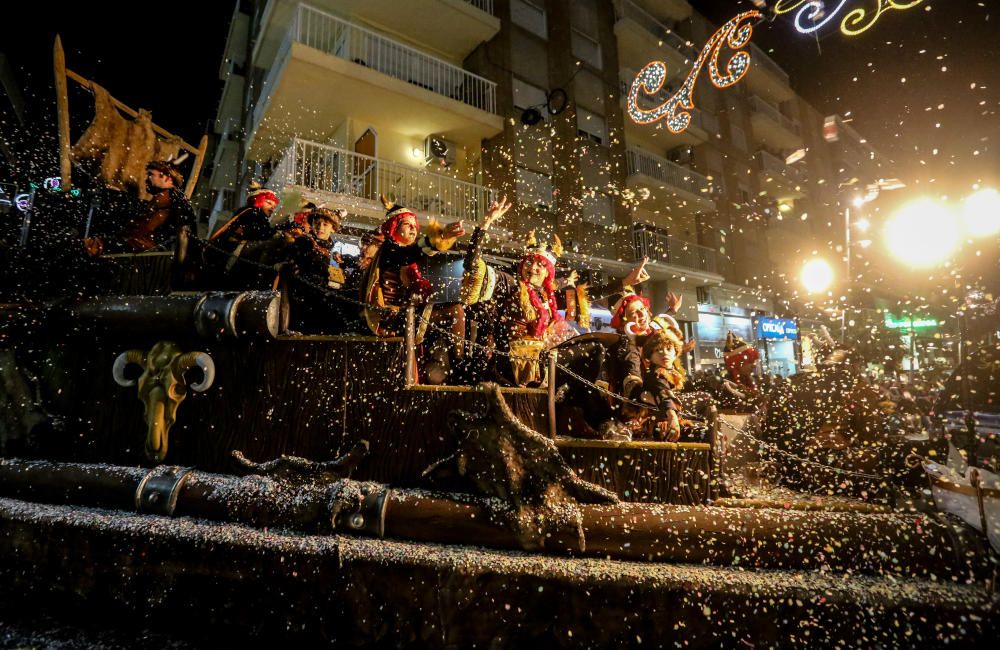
(162, 387)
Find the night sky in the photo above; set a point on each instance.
(167, 61)
(947, 53)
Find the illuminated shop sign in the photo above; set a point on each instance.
(777, 328)
(906, 323)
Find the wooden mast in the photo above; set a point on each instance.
(199, 158)
(62, 74)
(62, 114)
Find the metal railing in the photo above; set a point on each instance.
(762, 107)
(775, 166)
(484, 5)
(661, 169)
(627, 9)
(328, 33)
(658, 246)
(323, 168)
(758, 56)
(770, 163)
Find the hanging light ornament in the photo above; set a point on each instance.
(676, 109)
(811, 15)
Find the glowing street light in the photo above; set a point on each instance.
(922, 233)
(817, 275)
(981, 213)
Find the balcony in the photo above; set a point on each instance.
(654, 243)
(777, 178)
(341, 178)
(676, 186)
(772, 128)
(642, 38)
(766, 78)
(328, 69)
(703, 125)
(670, 9)
(451, 28)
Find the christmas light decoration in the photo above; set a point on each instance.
(735, 34)
(812, 15)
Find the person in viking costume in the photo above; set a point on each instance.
(663, 380)
(635, 322)
(526, 319)
(249, 237)
(313, 271)
(312, 251)
(394, 280)
(252, 223)
(741, 359)
(161, 220)
(629, 374)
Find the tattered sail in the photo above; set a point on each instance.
(122, 146)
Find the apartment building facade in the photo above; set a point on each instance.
(444, 104)
(334, 102)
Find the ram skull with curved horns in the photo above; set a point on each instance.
(162, 388)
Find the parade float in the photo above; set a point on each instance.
(176, 456)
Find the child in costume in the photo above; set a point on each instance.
(394, 280)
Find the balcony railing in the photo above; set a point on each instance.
(661, 169)
(775, 166)
(322, 168)
(762, 107)
(484, 5)
(658, 246)
(758, 56)
(328, 33)
(627, 9)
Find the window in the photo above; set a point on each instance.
(530, 16)
(586, 49)
(591, 125)
(598, 209)
(533, 189)
(526, 95)
(739, 137)
(718, 181)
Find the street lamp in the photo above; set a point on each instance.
(923, 233)
(862, 224)
(981, 213)
(817, 275)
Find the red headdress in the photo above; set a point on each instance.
(738, 353)
(256, 195)
(394, 215)
(546, 255)
(619, 307)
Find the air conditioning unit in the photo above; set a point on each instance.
(438, 151)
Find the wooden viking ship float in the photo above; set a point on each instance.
(408, 507)
(181, 456)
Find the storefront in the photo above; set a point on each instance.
(776, 342)
(921, 340)
(714, 322)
